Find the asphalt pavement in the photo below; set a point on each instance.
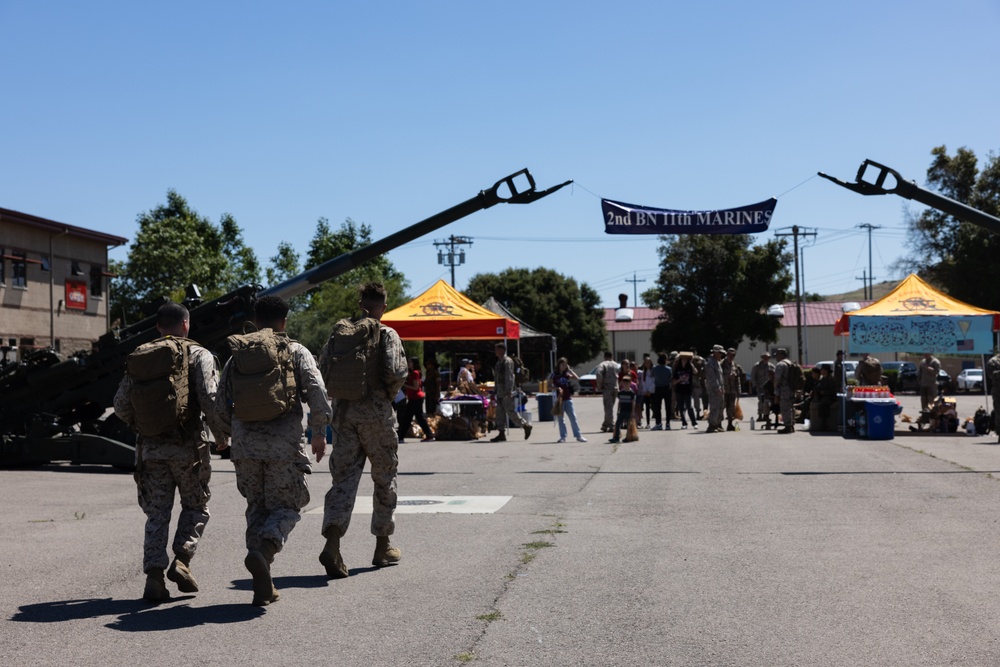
(684, 548)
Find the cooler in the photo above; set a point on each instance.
(881, 417)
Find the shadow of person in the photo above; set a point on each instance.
(163, 617)
(281, 583)
(69, 610)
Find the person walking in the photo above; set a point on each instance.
(606, 382)
(784, 391)
(684, 379)
(562, 380)
(267, 451)
(506, 388)
(663, 377)
(414, 410)
(927, 378)
(364, 430)
(173, 455)
(759, 375)
(715, 386)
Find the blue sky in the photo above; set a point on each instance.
(390, 112)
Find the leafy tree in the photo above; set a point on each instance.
(948, 251)
(338, 298)
(715, 289)
(175, 247)
(550, 302)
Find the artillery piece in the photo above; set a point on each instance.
(56, 409)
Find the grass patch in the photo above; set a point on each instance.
(79, 515)
(527, 557)
(550, 531)
(465, 656)
(494, 615)
(538, 545)
(41, 520)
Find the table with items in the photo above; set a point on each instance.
(870, 413)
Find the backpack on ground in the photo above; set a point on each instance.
(263, 375)
(796, 376)
(160, 390)
(982, 420)
(349, 361)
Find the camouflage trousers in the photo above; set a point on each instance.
(374, 438)
(763, 406)
(731, 407)
(276, 491)
(716, 402)
(609, 396)
(156, 482)
(507, 410)
(786, 401)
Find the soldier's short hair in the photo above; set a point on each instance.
(608, 354)
(500, 346)
(270, 309)
(372, 293)
(171, 314)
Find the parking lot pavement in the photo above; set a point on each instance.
(684, 548)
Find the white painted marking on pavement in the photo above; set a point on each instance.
(433, 505)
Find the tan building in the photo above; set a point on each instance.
(53, 284)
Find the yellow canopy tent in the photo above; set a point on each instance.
(444, 313)
(915, 317)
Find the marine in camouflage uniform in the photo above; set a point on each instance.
(732, 374)
(699, 392)
(366, 429)
(759, 375)
(715, 387)
(178, 461)
(784, 392)
(993, 375)
(506, 388)
(606, 382)
(269, 456)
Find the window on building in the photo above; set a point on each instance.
(19, 270)
(75, 269)
(96, 281)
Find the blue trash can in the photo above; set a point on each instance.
(881, 420)
(544, 407)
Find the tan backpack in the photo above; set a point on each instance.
(349, 361)
(160, 390)
(263, 375)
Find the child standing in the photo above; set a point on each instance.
(626, 401)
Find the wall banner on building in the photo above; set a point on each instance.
(622, 218)
(76, 295)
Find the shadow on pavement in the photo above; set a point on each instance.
(136, 615)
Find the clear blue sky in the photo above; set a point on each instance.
(389, 112)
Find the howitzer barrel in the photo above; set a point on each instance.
(506, 191)
(911, 190)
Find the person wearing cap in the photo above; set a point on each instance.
(732, 374)
(715, 386)
(784, 391)
(838, 371)
(759, 375)
(466, 381)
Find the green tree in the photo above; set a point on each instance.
(947, 251)
(338, 298)
(176, 247)
(549, 302)
(715, 289)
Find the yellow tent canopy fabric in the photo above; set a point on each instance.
(444, 313)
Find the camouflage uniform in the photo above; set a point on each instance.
(993, 375)
(714, 386)
(505, 388)
(759, 375)
(607, 379)
(784, 392)
(180, 461)
(699, 392)
(367, 429)
(869, 372)
(269, 456)
(927, 374)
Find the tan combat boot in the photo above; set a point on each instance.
(385, 553)
(179, 572)
(156, 588)
(258, 563)
(331, 559)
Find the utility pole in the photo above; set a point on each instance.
(864, 282)
(635, 289)
(871, 276)
(450, 258)
(795, 234)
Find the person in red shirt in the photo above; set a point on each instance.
(413, 388)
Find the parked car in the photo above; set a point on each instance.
(971, 379)
(944, 382)
(588, 382)
(901, 375)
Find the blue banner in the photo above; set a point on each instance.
(939, 334)
(622, 218)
